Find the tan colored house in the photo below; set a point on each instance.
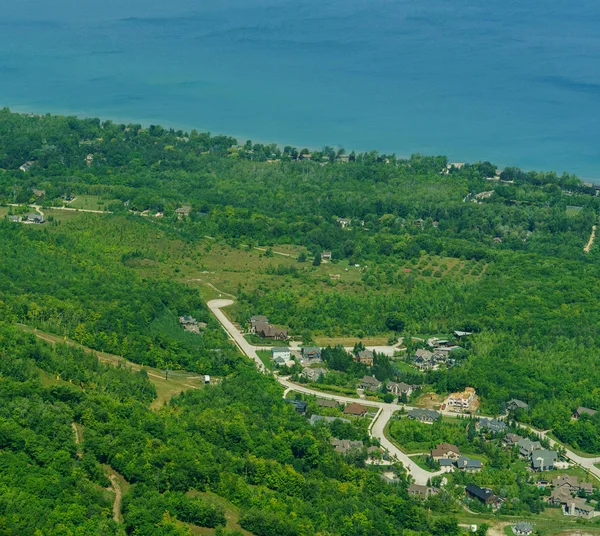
(445, 450)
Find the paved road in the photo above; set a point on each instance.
(384, 411)
(38, 208)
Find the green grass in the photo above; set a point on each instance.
(90, 202)
(265, 357)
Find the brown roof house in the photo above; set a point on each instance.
(355, 409)
(445, 450)
(584, 411)
(365, 357)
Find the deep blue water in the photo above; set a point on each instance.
(514, 82)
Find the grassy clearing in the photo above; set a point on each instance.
(351, 341)
(90, 202)
(232, 514)
(265, 357)
(165, 389)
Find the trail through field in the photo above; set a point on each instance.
(590, 243)
(213, 287)
(77, 439)
(117, 503)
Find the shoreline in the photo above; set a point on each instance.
(119, 119)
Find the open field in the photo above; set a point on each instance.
(232, 515)
(90, 202)
(265, 357)
(350, 341)
(165, 389)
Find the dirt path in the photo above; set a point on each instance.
(117, 503)
(590, 243)
(77, 439)
(213, 287)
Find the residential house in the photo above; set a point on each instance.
(369, 383)
(445, 450)
(299, 405)
(25, 167)
(560, 496)
(344, 446)
(468, 465)
(579, 508)
(492, 425)
(344, 222)
(314, 419)
(462, 334)
(510, 440)
(522, 528)
(39, 193)
(446, 465)
(183, 211)
(281, 352)
(461, 400)
(313, 374)
(281, 361)
(190, 324)
(355, 409)
(422, 492)
(543, 460)
(571, 484)
(35, 218)
(583, 411)
(427, 416)
(327, 403)
(514, 404)
(257, 319)
(326, 256)
(14, 219)
(399, 389)
(365, 357)
(268, 331)
(485, 495)
(526, 446)
(311, 353)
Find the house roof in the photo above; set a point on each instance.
(522, 526)
(561, 495)
(483, 494)
(492, 424)
(444, 448)
(423, 414)
(401, 386)
(345, 445)
(259, 318)
(314, 419)
(585, 411)
(311, 349)
(516, 403)
(370, 380)
(527, 444)
(445, 462)
(580, 504)
(365, 353)
(424, 354)
(280, 349)
(543, 458)
(327, 403)
(355, 409)
(467, 463)
(300, 405)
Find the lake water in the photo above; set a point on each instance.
(513, 82)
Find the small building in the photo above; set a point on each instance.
(461, 400)
(311, 352)
(543, 460)
(344, 222)
(327, 403)
(281, 352)
(344, 446)
(14, 219)
(421, 492)
(446, 465)
(510, 440)
(39, 193)
(526, 446)
(485, 495)
(365, 357)
(369, 383)
(515, 404)
(35, 218)
(468, 465)
(445, 450)
(427, 416)
(462, 334)
(257, 319)
(326, 256)
(313, 374)
(522, 528)
(355, 409)
(583, 411)
(299, 405)
(26, 166)
(492, 425)
(206, 379)
(183, 211)
(399, 389)
(268, 331)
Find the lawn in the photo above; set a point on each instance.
(90, 202)
(265, 357)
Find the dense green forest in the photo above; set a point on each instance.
(422, 249)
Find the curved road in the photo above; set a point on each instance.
(384, 413)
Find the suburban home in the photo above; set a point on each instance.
(399, 388)
(571, 484)
(485, 495)
(344, 446)
(422, 356)
(426, 416)
(510, 440)
(183, 211)
(445, 450)
(571, 506)
(35, 218)
(526, 446)
(514, 404)
(522, 528)
(422, 492)
(327, 403)
(560, 496)
(463, 399)
(583, 411)
(468, 465)
(344, 222)
(355, 409)
(543, 460)
(14, 219)
(365, 357)
(313, 374)
(189, 323)
(39, 193)
(326, 256)
(299, 405)
(267, 331)
(369, 383)
(446, 465)
(25, 167)
(311, 352)
(258, 319)
(281, 361)
(492, 425)
(314, 419)
(281, 352)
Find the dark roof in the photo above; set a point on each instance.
(327, 403)
(483, 494)
(311, 350)
(467, 463)
(424, 414)
(585, 411)
(300, 405)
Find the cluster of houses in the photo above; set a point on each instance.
(259, 325)
(540, 459)
(566, 493)
(370, 383)
(449, 457)
(189, 323)
(439, 352)
(34, 217)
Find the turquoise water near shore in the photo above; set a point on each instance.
(513, 82)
